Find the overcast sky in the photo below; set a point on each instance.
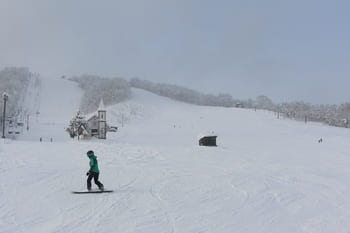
(287, 50)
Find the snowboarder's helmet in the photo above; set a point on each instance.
(90, 153)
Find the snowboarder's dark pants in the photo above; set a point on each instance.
(95, 176)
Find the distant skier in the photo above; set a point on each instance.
(93, 172)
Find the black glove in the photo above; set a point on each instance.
(88, 173)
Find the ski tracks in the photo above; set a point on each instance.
(85, 215)
(163, 206)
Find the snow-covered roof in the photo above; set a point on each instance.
(91, 117)
(207, 134)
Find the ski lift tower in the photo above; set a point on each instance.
(5, 97)
(102, 123)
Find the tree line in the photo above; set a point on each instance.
(184, 94)
(111, 90)
(15, 81)
(330, 114)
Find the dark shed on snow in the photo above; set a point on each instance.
(208, 141)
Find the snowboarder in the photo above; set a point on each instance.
(93, 172)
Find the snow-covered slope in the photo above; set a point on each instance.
(267, 174)
(59, 102)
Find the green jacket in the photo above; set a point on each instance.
(93, 164)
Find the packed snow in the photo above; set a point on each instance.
(266, 174)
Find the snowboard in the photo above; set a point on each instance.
(92, 191)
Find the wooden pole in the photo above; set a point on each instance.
(4, 115)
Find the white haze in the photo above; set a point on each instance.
(285, 50)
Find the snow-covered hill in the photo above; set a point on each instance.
(59, 101)
(266, 175)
